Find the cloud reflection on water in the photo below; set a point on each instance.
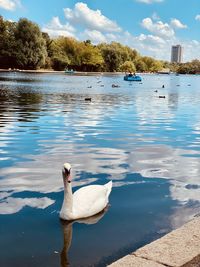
(126, 131)
(149, 161)
(12, 205)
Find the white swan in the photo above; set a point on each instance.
(85, 202)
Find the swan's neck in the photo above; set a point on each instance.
(68, 197)
(67, 206)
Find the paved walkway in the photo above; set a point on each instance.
(179, 248)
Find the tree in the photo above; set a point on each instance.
(7, 44)
(48, 43)
(128, 66)
(171, 65)
(68, 52)
(23, 45)
(151, 64)
(111, 57)
(30, 45)
(140, 65)
(59, 59)
(91, 58)
(194, 66)
(115, 54)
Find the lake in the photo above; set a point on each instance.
(148, 146)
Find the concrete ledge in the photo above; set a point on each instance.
(180, 248)
(133, 261)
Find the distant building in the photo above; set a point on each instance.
(177, 54)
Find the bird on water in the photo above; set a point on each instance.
(86, 201)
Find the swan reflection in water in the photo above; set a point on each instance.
(67, 227)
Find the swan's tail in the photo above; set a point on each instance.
(109, 187)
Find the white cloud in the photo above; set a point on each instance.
(175, 23)
(194, 46)
(95, 36)
(149, 1)
(150, 39)
(159, 48)
(91, 24)
(151, 45)
(91, 19)
(197, 17)
(158, 28)
(98, 28)
(55, 28)
(9, 4)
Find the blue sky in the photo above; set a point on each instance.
(150, 26)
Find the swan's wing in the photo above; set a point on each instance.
(90, 200)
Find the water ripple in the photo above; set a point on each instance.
(147, 145)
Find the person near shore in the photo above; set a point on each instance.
(131, 74)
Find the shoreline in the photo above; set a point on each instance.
(89, 73)
(179, 248)
(75, 72)
(62, 72)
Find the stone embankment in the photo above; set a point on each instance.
(179, 248)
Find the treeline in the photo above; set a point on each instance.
(192, 67)
(24, 46)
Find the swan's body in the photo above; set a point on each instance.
(85, 202)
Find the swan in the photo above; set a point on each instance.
(86, 201)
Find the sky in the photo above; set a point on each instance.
(149, 26)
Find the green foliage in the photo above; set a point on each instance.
(7, 44)
(192, 67)
(128, 66)
(23, 45)
(71, 48)
(111, 57)
(48, 45)
(91, 58)
(151, 65)
(30, 45)
(115, 54)
(68, 52)
(140, 65)
(59, 59)
(195, 66)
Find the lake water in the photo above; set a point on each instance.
(148, 146)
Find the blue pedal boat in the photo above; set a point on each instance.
(131, 77)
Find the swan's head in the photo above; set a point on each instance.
(66, 172)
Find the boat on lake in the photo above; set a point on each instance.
(71, 71)
(132, 77)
